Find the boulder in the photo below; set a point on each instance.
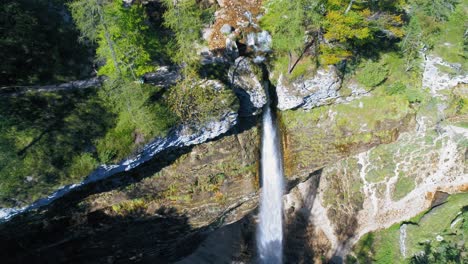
(164, 76)
(232, 52)
(226, 29)
(245, 78)
(308, 92)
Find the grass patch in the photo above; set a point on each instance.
(451, 42)
(436, 222)
(380, 247)
(403, 186)
(383, 246)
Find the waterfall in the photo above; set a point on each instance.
(270, 229)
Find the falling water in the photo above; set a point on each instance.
(270, 229)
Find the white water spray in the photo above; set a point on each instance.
(270, 229)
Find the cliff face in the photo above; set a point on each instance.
(157, 212)
(356, 160)
(382, 163)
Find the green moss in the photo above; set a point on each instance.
(297, 118)
(383, 246)
(201, 102)
(370, 111)
(380, 247)
(131, 207)
(403, 186)
(436, 222)
(451, 43)
(387, 246)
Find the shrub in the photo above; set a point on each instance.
(396, 88)
(412, 95)
(201, 102)
(139, 118)
(372, 74)
(82, 165)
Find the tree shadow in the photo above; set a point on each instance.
(50, 129)
(41, 44)
(100, 237)
(70, 202)
(233, 243)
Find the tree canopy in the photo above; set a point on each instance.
(122, 35)
(334, 27)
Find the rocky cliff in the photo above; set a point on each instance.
(361, 165)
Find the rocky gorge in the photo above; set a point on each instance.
(361, 168)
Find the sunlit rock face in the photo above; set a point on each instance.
(371, 186)
(375, 189)
(245, 77)
(437, 80)
(308, 91)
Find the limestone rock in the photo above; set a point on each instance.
(221, 3)
(226, 29)
(245, 79)
(232, 51)
(308, 92)
(164, 76)
(436, 80)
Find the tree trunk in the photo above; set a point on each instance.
(307, 47)
(349, 6)
(109, 39)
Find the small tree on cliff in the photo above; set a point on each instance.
(294, 25)
(183, 17)
(120, 32)
(336, 28)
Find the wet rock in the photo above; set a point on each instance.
(308, 92)
(245, 78)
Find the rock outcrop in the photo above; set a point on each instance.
(439, 75)
(164, 77)
(378, 188)
(364, 185)
(80, 84)
(308, 92)
(158, 212)
(245, 78)
(179, 137)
